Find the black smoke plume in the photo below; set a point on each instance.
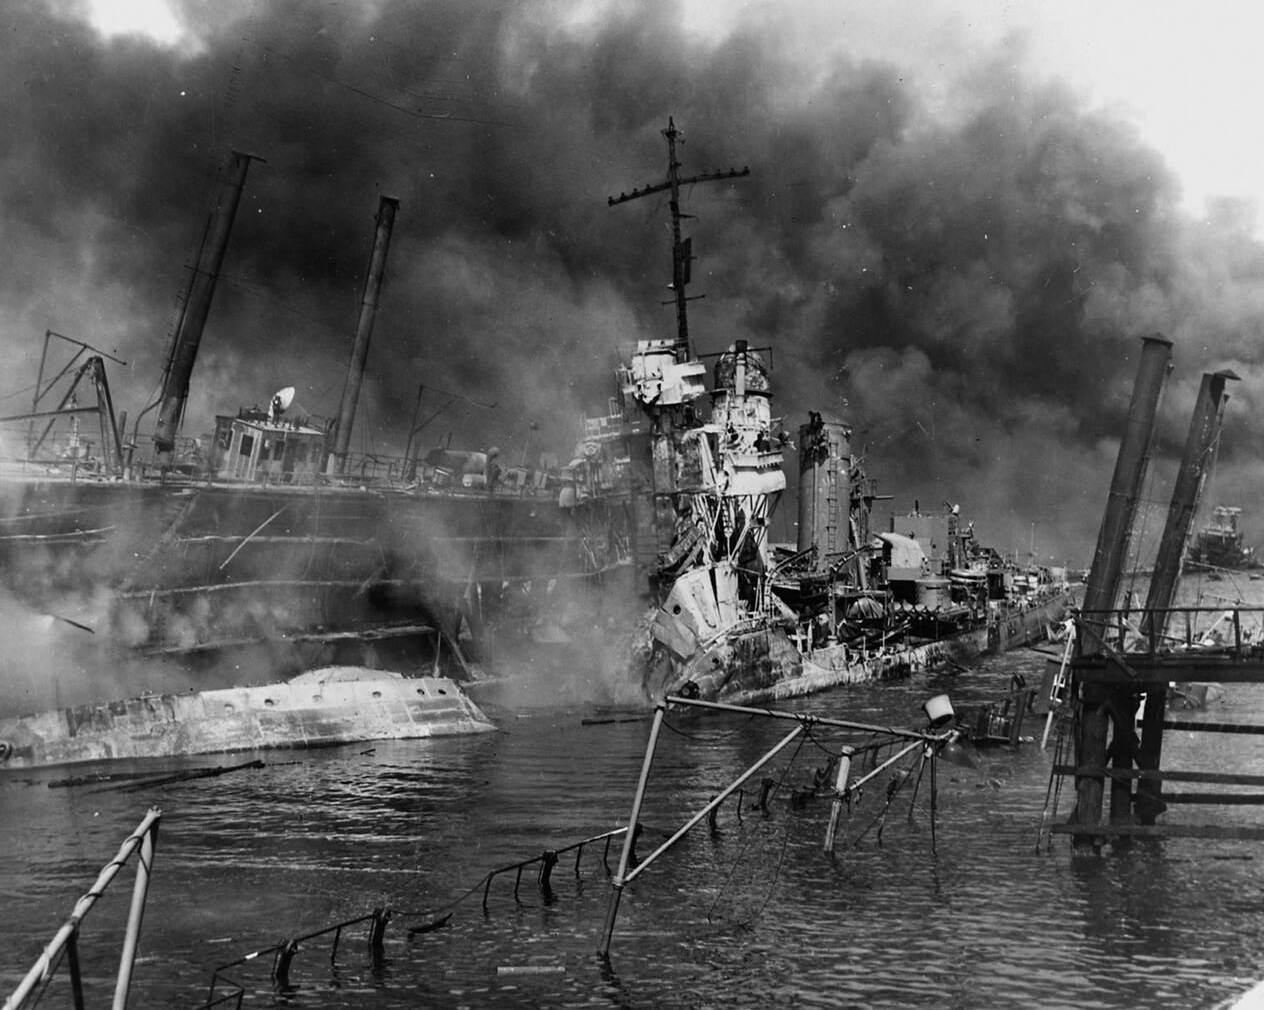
(965, 281)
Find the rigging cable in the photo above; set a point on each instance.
(741, 853)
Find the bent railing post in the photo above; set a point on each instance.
(140, 891)
(625, 876)
(65, 939)
(629, 840)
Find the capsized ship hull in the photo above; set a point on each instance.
(318, 708)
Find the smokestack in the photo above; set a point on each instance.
(824, 492)
(364, 330)
(197, 305)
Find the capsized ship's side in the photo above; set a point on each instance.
(698, 473)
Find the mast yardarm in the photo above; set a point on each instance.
(682, 253)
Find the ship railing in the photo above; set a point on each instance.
(405, 473)
(65, 943)
(284, 952)
(1235, 629)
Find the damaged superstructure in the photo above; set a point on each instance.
(690, 478)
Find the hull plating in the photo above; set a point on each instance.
(319, 708)
(182, 567)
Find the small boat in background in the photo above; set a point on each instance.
(1219, 543)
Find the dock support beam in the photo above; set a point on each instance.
(1200, 447)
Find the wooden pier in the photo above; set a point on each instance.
(1115, 665)
(1113, 682)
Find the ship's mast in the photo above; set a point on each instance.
(197, 305)
(681, 248)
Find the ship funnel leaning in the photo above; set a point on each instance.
(197, 305)
(364, 330)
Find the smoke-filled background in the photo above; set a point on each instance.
(957, 255)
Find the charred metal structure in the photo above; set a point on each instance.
(686, 474)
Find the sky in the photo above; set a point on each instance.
(961, 218)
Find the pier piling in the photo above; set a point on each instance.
(1104, 576)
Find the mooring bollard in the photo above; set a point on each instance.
(840, 789)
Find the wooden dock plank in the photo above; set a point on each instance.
(1150, 672)
(1213, 727)
(1162, 774)
(1243, 832)
(1215, 799)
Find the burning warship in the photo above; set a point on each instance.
(275, 551)
(692, 491)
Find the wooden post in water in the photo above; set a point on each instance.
(1104, 577)
(1200, 443)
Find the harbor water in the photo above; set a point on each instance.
(753, 913)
